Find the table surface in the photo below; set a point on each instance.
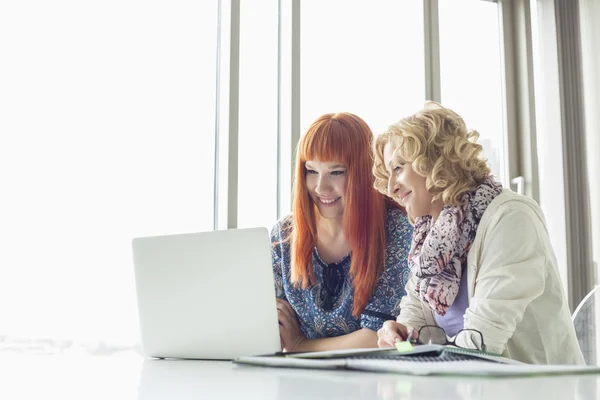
(129, 376)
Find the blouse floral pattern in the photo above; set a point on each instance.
(317, 322)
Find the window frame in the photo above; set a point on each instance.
(521, 117)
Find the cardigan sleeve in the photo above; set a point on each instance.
(511, 274)
(411, 308)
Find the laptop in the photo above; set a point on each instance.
(207, 295)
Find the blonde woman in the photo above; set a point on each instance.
(482, 266)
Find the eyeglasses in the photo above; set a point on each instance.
(465, 338)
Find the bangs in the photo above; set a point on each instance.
(327, 141)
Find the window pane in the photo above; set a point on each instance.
(107, 121)
(257, 173)
(362, 57)
(471, 72)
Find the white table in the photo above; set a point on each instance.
(129, 376)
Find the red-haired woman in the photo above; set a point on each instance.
(340, 259)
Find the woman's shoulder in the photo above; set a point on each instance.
(282, 229)
(512, 231)
(394, 211)
(514, 204)
(397, 223)
(512, 219)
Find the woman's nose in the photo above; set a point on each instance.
(392, 186)
(323, 185)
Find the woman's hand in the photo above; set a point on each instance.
(289, 328)
(392, 332)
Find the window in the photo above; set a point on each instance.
(471, 72)
(108, 114)
(257, 173)
(376, 72)
(108, 128)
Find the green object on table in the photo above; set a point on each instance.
(404, 346)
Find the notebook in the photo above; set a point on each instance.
(208, 295)
(419, 360)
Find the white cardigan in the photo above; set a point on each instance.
(516, 299)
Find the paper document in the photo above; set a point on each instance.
(418, 350)
(340, 353)
(420, 360)
(471, 368)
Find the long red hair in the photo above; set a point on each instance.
(347, 139)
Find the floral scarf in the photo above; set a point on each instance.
(438, 252)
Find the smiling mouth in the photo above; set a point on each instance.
(404, 196)
(328, 202)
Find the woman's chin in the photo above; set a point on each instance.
(330, 212)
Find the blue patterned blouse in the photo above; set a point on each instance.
(318, 320)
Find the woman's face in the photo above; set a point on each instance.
(407, 187)
(326, 183)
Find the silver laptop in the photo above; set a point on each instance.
(206, 295)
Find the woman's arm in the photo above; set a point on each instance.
(293, 339)
(361, 338)
(411, 308)
(511, 275)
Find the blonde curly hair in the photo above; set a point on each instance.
(440, 148)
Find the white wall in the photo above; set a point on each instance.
(590, 15)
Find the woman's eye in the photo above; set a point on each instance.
(311, 171)
(397, 168)
(337, 172)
